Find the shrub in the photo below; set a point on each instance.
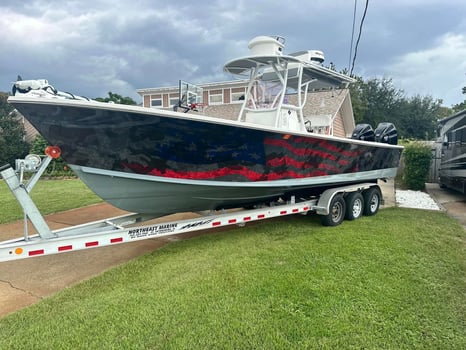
(417, 157)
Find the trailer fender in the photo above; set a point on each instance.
(323, 205)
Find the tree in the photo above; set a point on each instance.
(358, 100)
(459, 107)
(418, 117)
(117, 99)
(377, 100)
(12, 134)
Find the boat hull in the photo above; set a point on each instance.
(154, 161)
(161, 196)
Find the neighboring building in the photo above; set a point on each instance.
(30, 132)
(329, 111)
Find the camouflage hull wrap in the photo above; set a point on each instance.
(137, 158)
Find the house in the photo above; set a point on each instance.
(29, 131)
(328, 111)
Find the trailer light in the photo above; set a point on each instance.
(53, 151)
(19, 251)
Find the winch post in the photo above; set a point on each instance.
(22, 196)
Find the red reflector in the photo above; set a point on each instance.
(295, 210)
(231, 221)
(283, 212)
(92, 244)
(247, 218)
(36, 252)
(261, 216)
(53, 151)
(65, 247)
(116, 240)
(216, 223)
(306, 208)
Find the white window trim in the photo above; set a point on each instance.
(216, 95)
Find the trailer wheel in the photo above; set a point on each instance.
(354, 206)
(372, 199)
(337, 212)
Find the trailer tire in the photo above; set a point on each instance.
(336, 212)
(372, 199)
(354, 206)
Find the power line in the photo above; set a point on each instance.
(359, 36)
(352, 34)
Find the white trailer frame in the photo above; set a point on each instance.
(121, 229)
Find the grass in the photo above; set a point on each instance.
(392, 281)
(50, 196)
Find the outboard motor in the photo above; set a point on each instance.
(386, 133)
(363, 132)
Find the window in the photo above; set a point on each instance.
(156, 103)
(174, 101)
(215, 97)
(237, 95)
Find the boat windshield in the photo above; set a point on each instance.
(265, 94)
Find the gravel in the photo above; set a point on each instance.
(415, 199)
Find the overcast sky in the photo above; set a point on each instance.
(92, 47)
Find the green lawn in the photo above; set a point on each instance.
(392, 281)
(50, 196)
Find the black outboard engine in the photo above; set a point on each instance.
(386, 133)
(363, 132)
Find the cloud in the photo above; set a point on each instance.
(144, 43)
(438, 71)
(92, 47)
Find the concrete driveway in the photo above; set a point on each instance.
(454, 203)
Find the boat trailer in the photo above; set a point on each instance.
(333, 205)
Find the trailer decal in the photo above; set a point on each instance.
(152, 230)
(196, 224)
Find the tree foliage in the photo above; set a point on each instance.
(459, 107)
(377, 100)
(116, 98)
(418, 117)
(12, 134)
(417, 157)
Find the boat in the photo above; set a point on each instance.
(156, 161)
(452, 136)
